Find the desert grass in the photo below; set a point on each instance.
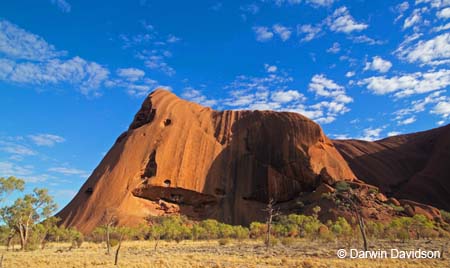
(249, 253)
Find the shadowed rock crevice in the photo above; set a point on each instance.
(145, 115)
(151, 167)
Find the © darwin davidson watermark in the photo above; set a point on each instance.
(392, 253)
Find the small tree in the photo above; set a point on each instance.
(26, 211)
(7, 186)
(110, 220)
(271, 213)
(345, 192)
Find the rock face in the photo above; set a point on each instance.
(178, 156)
(413, 166)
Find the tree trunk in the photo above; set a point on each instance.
(362, 229)
(8, 242)
(108, 244)
(23, 241)
(269, 225)
(116, 258)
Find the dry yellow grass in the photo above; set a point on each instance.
(301, 253)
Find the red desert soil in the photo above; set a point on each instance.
(412, 166)
(181, 157)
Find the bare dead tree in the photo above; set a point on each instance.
(348, 197)
(110, 220)
(271, 213)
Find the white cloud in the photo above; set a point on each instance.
(314, 3)
(309, 31)
(11, 169)
(350, 74)
(270, 68)
(393, 133)
(287, 96)
(435, 51)
(408, 121)
(46, 139)
(250, 8)
(444, 13)
(413, 19)
(441, 28)
(131, 74)
(371, 134)
(196, 96)
(88, 76)
(341, 136)
(420, 105)
(434, 3)
(320, 2)
(69, 171)
(442, 108)
(325, 87)
(335, 48)
(157, 60)
(15, 149)
(172, 39)
(342, 21)
(63, 5)
(401, 8)
(378, 64)
(17, 43)
(263, 34)
(408, 84)
(360, 39)
(283, 32)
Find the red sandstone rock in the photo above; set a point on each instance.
(412, 166)
(223, 165)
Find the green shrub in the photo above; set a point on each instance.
(445, 216)
(342, 186)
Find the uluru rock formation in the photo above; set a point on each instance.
(413, 166)
(181, 157)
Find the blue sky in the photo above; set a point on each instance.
(73, 73)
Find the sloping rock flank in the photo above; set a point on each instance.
(413, 166)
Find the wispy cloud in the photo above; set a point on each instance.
(66, 171)
(16, 148)
(130, 74)
(195, 95)
(29, 59)
(16, 43)
(263, 34)
(12, 169)
(46, 139)
(63, 5)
